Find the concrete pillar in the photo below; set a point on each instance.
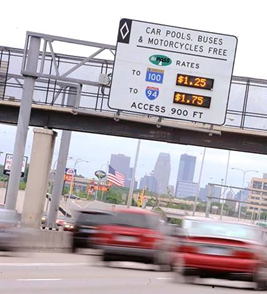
(40, 164)
(23, 124)
(61, 165)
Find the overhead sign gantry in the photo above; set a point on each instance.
(172, 72)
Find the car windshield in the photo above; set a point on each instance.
(95, 218)
(220, 229)
(137, 220)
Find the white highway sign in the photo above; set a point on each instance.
(8, 164)
(172, 72)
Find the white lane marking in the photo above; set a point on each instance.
(45, 264)
(37, 280)
(164, 278)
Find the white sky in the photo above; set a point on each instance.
(98, 21)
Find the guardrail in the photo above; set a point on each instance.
(88, 78)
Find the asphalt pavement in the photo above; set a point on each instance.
(56, 273)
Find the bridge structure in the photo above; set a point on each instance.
(88, 79)
(45, 85)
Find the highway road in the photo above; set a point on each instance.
(56, 273)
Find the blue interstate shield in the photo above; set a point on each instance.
(152, 93)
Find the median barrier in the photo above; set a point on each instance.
(44, 239)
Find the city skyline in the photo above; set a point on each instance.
(97, 152)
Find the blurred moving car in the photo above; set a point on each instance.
(69, 225)
(9, 231)
(86, 226)
(136, 235)
(66, 223)
(61, 221)
(219, 249)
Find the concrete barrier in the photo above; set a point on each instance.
(44, 239)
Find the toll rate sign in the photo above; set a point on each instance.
(172, 72)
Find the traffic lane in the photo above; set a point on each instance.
(68, 273)
(105, 282)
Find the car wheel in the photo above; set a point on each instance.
(261, 286)
(73, 249)
(180, 275)
(106, 259)
(260, 279)
(163, 267)
(162, 261)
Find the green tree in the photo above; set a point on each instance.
(113, 197)
(176, 221)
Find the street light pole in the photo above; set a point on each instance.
(130, 195)
(199, 180)
(105, 164)
(243, 182)
(225, 182)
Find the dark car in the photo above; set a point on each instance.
(136, 235)
(219, 249)
(73, 196)
(86, 226)
(9, 231)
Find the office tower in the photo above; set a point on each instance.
(162, 172)
(186, 170)
(149, 183)
(121, 163)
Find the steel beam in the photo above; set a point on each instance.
(52, 119)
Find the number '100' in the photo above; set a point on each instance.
(154, 77)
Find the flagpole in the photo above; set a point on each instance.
(130, 196)
(107, 165)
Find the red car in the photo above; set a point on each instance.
(135, 235)
(219, 249)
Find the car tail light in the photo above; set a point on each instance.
(187, 249)
(244, 254)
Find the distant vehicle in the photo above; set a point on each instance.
(9, 229)
(86, 226)
(72, 196)
(63, 221)
(69, 225)
(136, 235)
(44, 218)
(219, 249)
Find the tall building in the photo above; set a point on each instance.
(162, 172)
(129, 179)
(148, 182)
(186, 170)
(258, 195)
(121, 163)
(186, 189)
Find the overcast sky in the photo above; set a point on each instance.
(98, 21)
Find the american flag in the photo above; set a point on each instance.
(115, 177)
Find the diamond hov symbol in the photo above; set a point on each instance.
(124, 31)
